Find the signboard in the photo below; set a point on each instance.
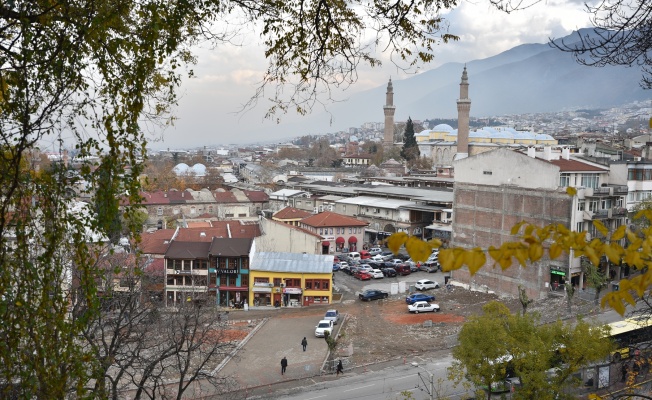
(557, 272)
(227, 271)
(292, 290)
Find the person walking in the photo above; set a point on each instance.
(284, 365)
(340, 368)
(304, 343)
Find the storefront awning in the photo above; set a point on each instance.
(325, 243)
(339, 240)
(290, 290)
(353, 239)
(232, 289)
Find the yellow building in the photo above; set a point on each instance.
(290, 279)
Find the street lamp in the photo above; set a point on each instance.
(430, 385)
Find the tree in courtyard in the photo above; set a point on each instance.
(410, 150)
(523, 298)
(520, 346)
(595, 278)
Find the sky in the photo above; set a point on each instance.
(209, 111)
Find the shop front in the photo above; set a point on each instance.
(262, 295)
(557, 279)
(292, 296)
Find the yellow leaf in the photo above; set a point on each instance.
(418, 250)
(535, 251)
(571, 191)
(517, 227)
(614, 301)
(614, 252)
(555, 251)
(600, 227)
(434, 243)
(593, 257)
(458, 257)
(475, 259)
(619, 233)
(495, 253)
(521, 255)
(397, 240)
(446, 259)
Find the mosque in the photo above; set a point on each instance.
(443, 144)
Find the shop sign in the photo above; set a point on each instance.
(557, 272)
(227, 271)
(292, 290)
(262, 289)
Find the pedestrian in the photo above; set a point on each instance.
(340, 368)
(623, 371)
(284, 365)
(304, 343)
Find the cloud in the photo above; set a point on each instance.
(227, 77)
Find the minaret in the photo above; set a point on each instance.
(463, 109)
(389, 109)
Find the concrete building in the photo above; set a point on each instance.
(340, 233)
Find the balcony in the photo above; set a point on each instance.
(615, 212)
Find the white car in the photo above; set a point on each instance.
(323, 326)
(425, 284)
(423, 306)
(378, 257)
(377, 274)
(375, 250)
(332, 315)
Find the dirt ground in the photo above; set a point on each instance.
(382, 330)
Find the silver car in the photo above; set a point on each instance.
(332, 315)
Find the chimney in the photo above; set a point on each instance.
(547, 153)
(531, 152)
(565, 153)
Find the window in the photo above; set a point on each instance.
(590, 181)
(261, 280)
(175, 211)
(193, 211)
(210, 209)
(580, 205)
(331, 231)
(242, 215)
(578, 227)
(564, 180)
(350, 230)
(593, 205)
(228, 215)
(159, 211)
(606, 204)
(293, 282)
(317, 284)
(298, 202)
(244, 281)
(277, 282)
(201, 264)
(486, 172)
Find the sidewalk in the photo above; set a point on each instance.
(258, 364)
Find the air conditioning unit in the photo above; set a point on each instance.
(270, 284)
(282, 284)
(330, 208)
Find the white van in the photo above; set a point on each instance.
(354, 256)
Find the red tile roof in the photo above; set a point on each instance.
(224, 197)
(219, 229)
(291, 213)
(256, 196)
(156, 242)
(576, 166)
(329, 219)
(297, 228)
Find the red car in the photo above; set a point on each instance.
(363, 276)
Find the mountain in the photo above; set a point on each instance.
(529, 78)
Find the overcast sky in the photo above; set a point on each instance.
(226, 77)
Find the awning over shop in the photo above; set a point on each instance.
(353, 239)
(325, 243)
(292, 290)
(339, 240)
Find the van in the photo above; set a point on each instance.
(402, 269)
(364, 254)
(354, 256)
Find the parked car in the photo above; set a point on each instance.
(389, 272)
(373, 294)
(403, 269)
(387, 255)
(425, 284)
(423, 306)
(353, 256)
(336, 267)
(332, 315)
(364, 254)
(362, 275)
(377, 274)
(430, 266)
(343, 264)
(323, 326)
(377, 257)
(365, 267)
(375, 250)
(414, 297)
(396, 261)
(402, 257)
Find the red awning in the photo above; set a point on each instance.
(325, 243)
(353, 239)
(339, 240)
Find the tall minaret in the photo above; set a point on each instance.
(389, 109)
(463, 108)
